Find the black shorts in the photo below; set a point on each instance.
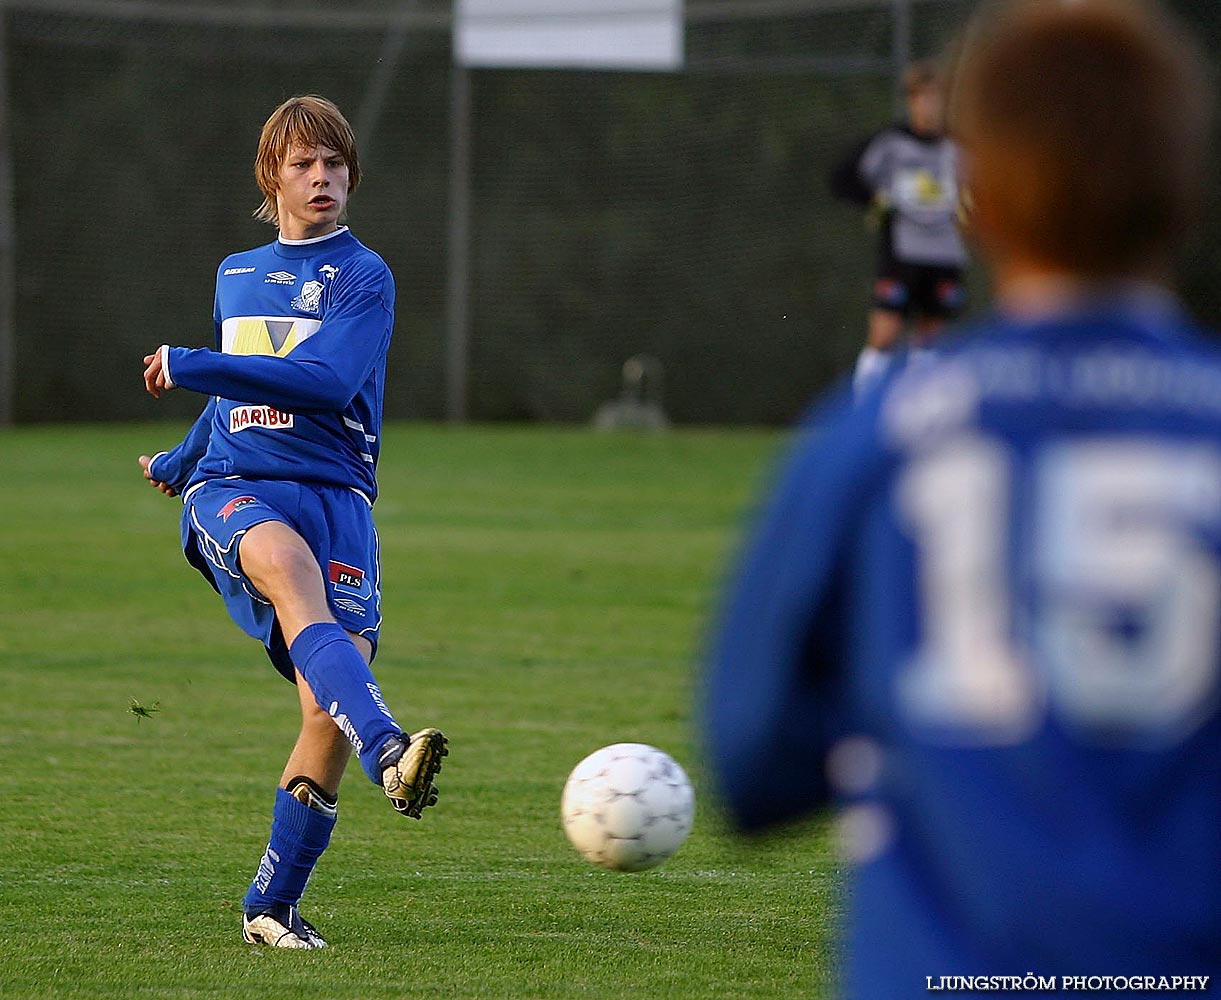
(919, 290)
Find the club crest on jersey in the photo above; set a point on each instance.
(234, 505)
(310, 298)
(243, 417)
(347, 579)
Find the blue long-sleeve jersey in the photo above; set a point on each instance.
(297, 375)
(983, 609)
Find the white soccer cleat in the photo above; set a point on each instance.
(280, 927)
(409, 764)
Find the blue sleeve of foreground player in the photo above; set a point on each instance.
(175, 466)
(320, 375)
(773, 694)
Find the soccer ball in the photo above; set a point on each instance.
(627, 807)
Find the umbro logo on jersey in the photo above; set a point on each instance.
(280, 278)
(240, 270)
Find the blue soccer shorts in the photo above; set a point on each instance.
(336, 523)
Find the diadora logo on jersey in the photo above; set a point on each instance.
(242, 417)
(234, 505)
(328, 271)
(349, 580)
(279, 278)
(310, 299)
(240, 270)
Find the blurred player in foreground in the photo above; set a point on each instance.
(983, 606)
(907, 176)
(278, 482)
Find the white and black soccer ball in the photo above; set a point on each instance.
(627, 807)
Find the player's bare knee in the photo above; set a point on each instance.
(276, 560)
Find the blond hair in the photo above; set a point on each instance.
(309, 121)
(1084, 126)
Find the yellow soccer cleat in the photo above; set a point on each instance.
(409, 764)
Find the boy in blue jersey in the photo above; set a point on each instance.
(278, 480)
(983, 606)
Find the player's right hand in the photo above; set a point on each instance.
(166, 488)
(156, 376)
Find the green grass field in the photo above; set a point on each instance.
(545, 592)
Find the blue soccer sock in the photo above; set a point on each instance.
(299, 835)
(344, 687)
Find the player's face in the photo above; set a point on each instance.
(313, 192)
(924, 110)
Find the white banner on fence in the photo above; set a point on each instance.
(569, 34)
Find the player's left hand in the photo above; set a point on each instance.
(145, 461)
(156, 378)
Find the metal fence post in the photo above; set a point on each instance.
(458, 229)
(8, 239)
(900, 49)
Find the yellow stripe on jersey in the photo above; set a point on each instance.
(275, 336)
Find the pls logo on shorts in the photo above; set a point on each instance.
(350, 580)
(234, 505)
